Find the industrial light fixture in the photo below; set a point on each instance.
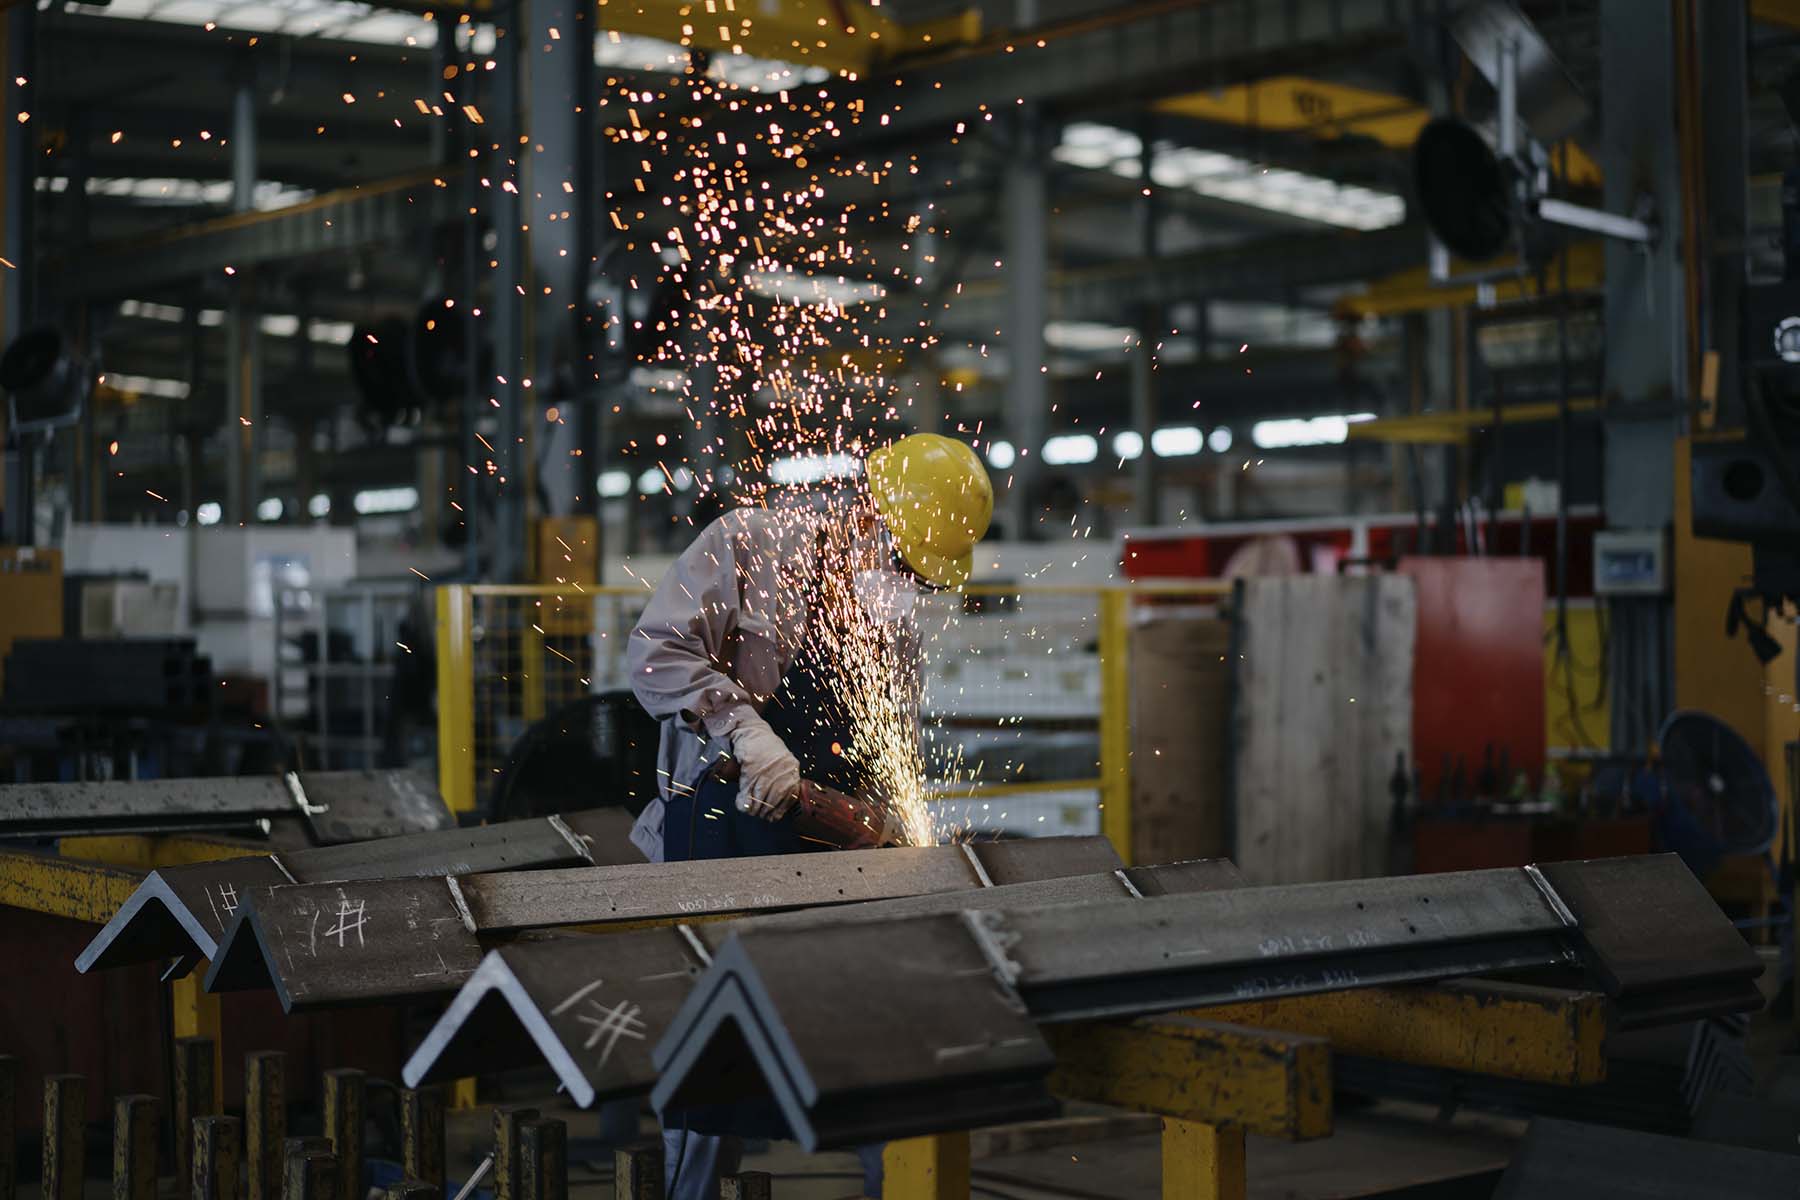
(208, 512)
(146, 385)
(319, 506)
(1100, 147)
(1219, 440)
(381, 501)
(613, 484)
(835, 291)
(800, 469)
(270, 508)
(652, 481)
(1087, 336)
(1001, 455)
(1177, 441)
(1067, 449)
(266, 195)
(1127, 444)
(1305, 431)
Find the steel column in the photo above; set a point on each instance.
(1027, 228)
(9, 1127)
(561, 201)
(310, 1175)
(926, 1168)
(422, 1134)
(1146, 501)
(216, 1152)
(65, 1137)
(134, 1168)
(243, 141)
(265, 1116)
(543, 1160)
(759, 1185)
(345, 1093)
(508, 1152)
(638, 1172)
(196, 1063)
(508, 303)
(1202, 1162)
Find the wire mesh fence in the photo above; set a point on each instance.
(1023, 693)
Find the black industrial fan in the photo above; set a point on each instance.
(1716, 799)
(1481, 200)
(46, 386)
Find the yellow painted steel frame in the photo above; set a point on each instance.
(60, 887)
(1202, 1162)
(456, 697)
(1115, 720)
(93, 887)
(927, 1168)
(1275, 1084)
(1515, 1031)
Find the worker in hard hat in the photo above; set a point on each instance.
(729, 657)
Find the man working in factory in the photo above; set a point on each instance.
(738, 655)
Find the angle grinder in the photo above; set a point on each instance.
(824, 814)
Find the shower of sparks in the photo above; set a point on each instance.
(767, 318)
(779, 289)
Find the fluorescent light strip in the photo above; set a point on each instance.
(1098, 147)
(268, 194)
(801, 469)
(145, 385)
(283, 325)
(1305, 431)
(381, 501)
(1070, 448)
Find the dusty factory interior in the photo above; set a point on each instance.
(902, 599)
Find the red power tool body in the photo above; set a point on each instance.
(824, 814)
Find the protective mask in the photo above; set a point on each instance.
(885, 595)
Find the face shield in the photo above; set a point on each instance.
(890, 591)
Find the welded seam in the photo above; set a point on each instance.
(1130, 887)
(695, 944)
(981, 874)
(994, 941)
(462, 905)
(1550, 897)
(574, 839)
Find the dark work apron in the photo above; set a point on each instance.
(807, 714)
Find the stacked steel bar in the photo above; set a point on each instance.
(381, 941)
(960, 995)
(591, 1006)
(183, 911)
(334, 806)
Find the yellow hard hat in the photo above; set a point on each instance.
(937, 500)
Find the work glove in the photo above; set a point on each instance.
(769, 776)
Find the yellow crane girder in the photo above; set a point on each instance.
(843, 36)
(1413, 290)
(1297, 104)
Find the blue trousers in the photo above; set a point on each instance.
(708, 825)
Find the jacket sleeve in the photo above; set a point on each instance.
(680, 648)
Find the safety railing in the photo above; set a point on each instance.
(1026, 691)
